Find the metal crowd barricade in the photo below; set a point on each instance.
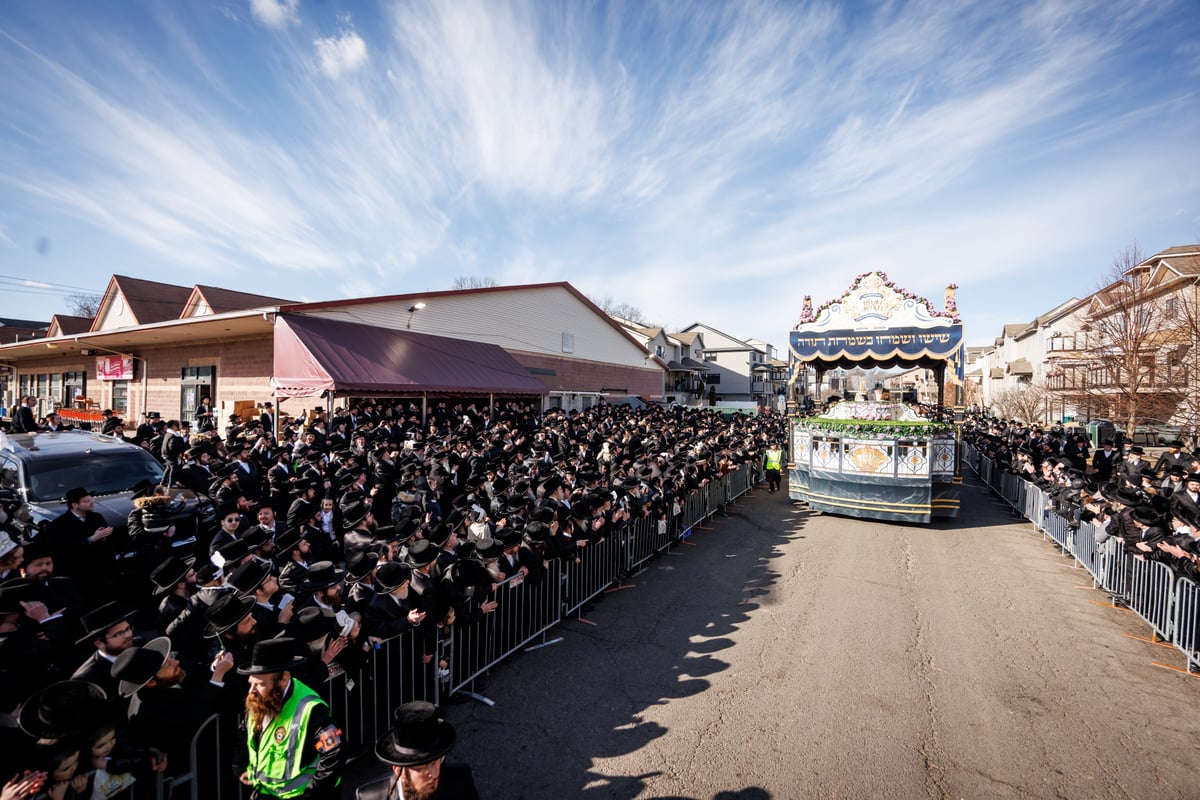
(523, 613)
(1087, 552)
(694, 509)
(211, 759)
(643, 542)
(598, 567)
(1151, 589)
(1117, 567)
(1185, 632)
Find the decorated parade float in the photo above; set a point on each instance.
(869, 456)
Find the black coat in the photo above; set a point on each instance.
(456, 783)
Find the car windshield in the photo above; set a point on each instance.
(108, 473)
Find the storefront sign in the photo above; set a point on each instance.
(114, 368)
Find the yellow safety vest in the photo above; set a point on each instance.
(275, 767)
(774, 457)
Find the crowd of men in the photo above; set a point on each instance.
(1152, 510)
(304, 552)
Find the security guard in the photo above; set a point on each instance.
(294, 748)
(772, 463)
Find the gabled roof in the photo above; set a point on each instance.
(64, 325)
(421, 296)
(1013, 330)
(215, 300)
(14, 330)
(711, 346)
(147, 301)
(1181, 250)
(686, 337)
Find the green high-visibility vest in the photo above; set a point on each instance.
(774, 457)
(275, 767)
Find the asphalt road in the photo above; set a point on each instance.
(786, 654)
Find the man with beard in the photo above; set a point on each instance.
(360, 527)
(165, 707)
(294, 748)
(416, 749)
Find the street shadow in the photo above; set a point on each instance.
(561, 711)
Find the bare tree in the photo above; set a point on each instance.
(84, 305)
(473, 282)
(1132, 329)
(1029, 402)
(624, 311)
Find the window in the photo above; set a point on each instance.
(709, 355)
(568, 342)
(195, 383)
(660, 350)
(120, 398)
(74, 385)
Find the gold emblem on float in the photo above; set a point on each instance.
(868, 458)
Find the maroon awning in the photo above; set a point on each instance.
(313, 354)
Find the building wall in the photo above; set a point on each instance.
(521, 320)
(574, 375)
(242, 367)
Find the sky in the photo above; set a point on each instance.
(707, 161)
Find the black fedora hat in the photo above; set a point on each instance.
(418, 736)
(97, 621)
(422, 553)
(226, 612)
(391, 576)
(360, 564)
(169, 573)
(135, 667)
(353, 514)
(469, 572)
(63, 709)
(271, 656)
(322, 575)
(489, 549)
(311, 623)
(249, 576)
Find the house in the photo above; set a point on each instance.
(743, 372)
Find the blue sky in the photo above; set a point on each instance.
(701, 161)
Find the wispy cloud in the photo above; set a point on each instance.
(275, 13)
(341, 54)
(718, 160)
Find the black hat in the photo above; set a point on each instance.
(63, 709)
(421, 553)
(1195, 476)
(439, 534)
(227, 612)
(1145, 515)
(391, 576)
(537, 532)
(1127, 497)
(272, 655)
(353, 514)
(469, 572)
(249, 576)
(288, 540)
(508, 537)
(311, 623)
(98, 620)
(168, 574)
(360, 564)
(255, 537)
(301, 486)
(488, 549)
(321, 575)
(234, 551)
(135, 667)
(1136, 451)
(75, 495)
(418, 736)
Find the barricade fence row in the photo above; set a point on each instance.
(424, 665)
(1169, 604)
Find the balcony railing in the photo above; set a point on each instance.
(1151, 380)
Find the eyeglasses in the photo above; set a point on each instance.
(124, 630)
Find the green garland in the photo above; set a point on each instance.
(887, 428)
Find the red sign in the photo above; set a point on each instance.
(114, 368)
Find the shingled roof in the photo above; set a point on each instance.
(220, 301)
